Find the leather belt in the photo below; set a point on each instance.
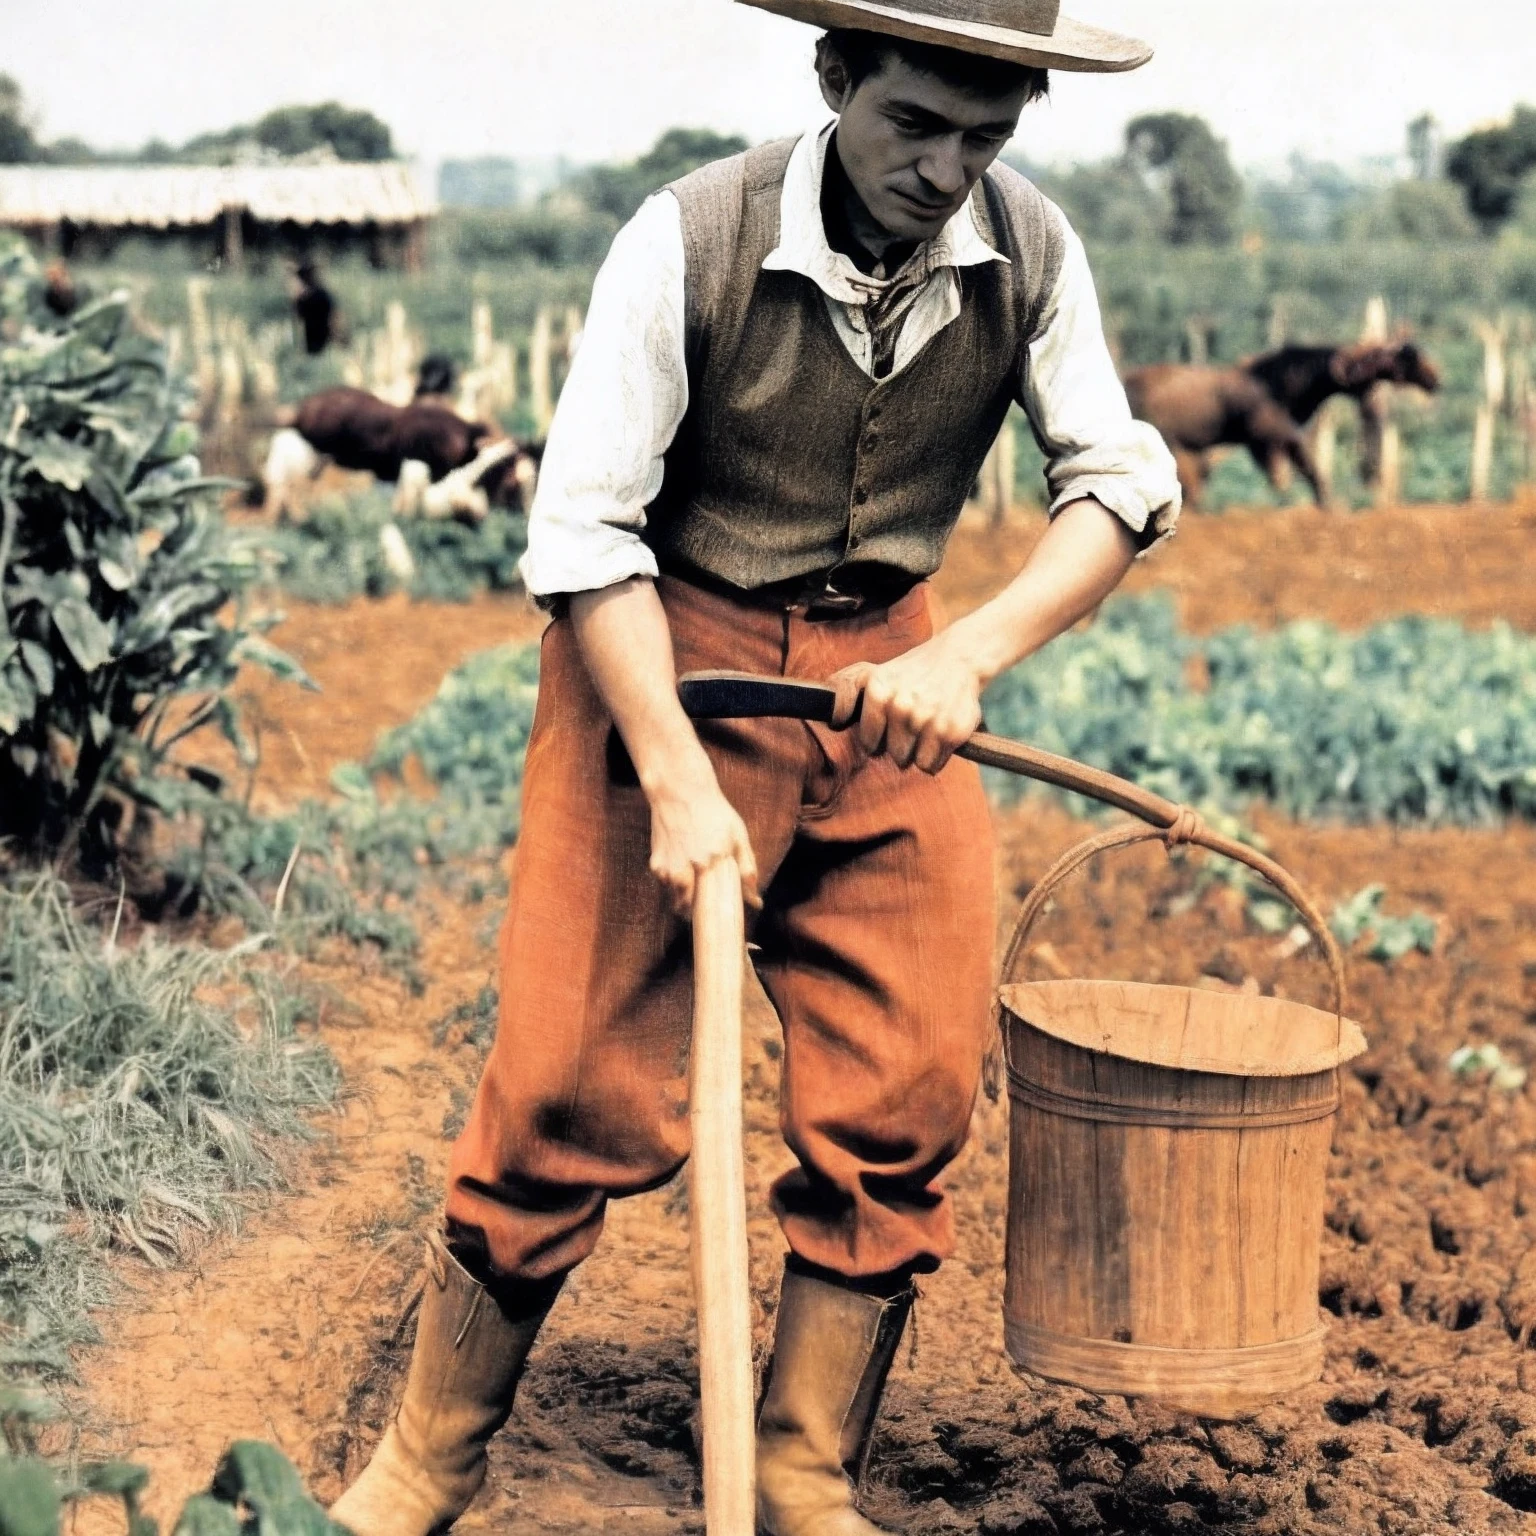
(815, 597)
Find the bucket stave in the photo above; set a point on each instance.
(1168, 1151)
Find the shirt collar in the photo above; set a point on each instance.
(803, 246)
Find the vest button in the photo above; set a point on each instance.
(860, 496)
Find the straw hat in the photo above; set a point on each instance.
(1021, 31)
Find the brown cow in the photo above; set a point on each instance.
(357, 430)
(1263, 404)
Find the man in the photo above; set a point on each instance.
(314, 307)
(794, 364)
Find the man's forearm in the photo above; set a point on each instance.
(626, 643)
(624, 639)
(1078, 562)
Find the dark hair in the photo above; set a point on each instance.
(865, 54)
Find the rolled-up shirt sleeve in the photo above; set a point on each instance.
(621, 407)
(1077, 407)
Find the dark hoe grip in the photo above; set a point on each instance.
(742, 696)
(745, 696)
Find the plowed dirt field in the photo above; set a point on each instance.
(1426, 1418)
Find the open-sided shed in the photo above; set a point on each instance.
(379, 207)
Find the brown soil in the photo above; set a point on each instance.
(1426, 1418)
(376, 664)
(1268, 567)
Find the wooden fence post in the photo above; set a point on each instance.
(1495, 379)
(1376, 411)
(1325, 444)
(995, 482)
(482, 337)
(205, 366)
(1279, 324)
(540, 368)
(1389, 486)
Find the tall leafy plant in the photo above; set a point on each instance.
(122, 620)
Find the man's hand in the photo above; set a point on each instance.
(690, 832)
(919, 707)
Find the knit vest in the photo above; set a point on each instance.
(791, 462)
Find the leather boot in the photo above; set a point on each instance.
(470, 1350)
(832, 1351)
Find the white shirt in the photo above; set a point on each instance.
(628, 387)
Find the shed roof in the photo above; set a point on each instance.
(163, 197)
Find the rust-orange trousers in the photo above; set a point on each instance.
(874, 946)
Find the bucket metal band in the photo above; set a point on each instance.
(1213, 1382)
(1111, 1111)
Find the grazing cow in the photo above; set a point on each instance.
(359, 431)
(1197, 409)
(356, 430)
(1301, 378)
(1264, 404)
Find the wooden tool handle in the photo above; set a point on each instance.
(1123, 837)
(718, 1205)
(742, 696)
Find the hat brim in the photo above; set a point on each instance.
(1074, 45)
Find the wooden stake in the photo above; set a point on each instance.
(997, 472)
(1374, 330)
(482, 337)
(1482, 454)
(540, 368)
(1377, 425)
(1492, 334)
(1325, 445)
(718, 1206)
(1389, 487)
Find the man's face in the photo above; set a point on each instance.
(913, 145)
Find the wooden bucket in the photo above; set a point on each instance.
(1168, 1154)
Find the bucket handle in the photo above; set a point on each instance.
(1132, 832)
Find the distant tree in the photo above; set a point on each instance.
(70, 152)
(18, 142)
(1490, 164)
(618, 190)
(352, 134)
(1205, 193)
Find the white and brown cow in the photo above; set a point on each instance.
(441, 465)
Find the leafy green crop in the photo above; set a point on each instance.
(1390, 937)
(255, 1491)
(339, 861)
(1414, 720)
(117, 574)
(337, 552)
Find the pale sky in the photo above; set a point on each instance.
(593, 79)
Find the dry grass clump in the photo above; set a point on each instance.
(144, 1089)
